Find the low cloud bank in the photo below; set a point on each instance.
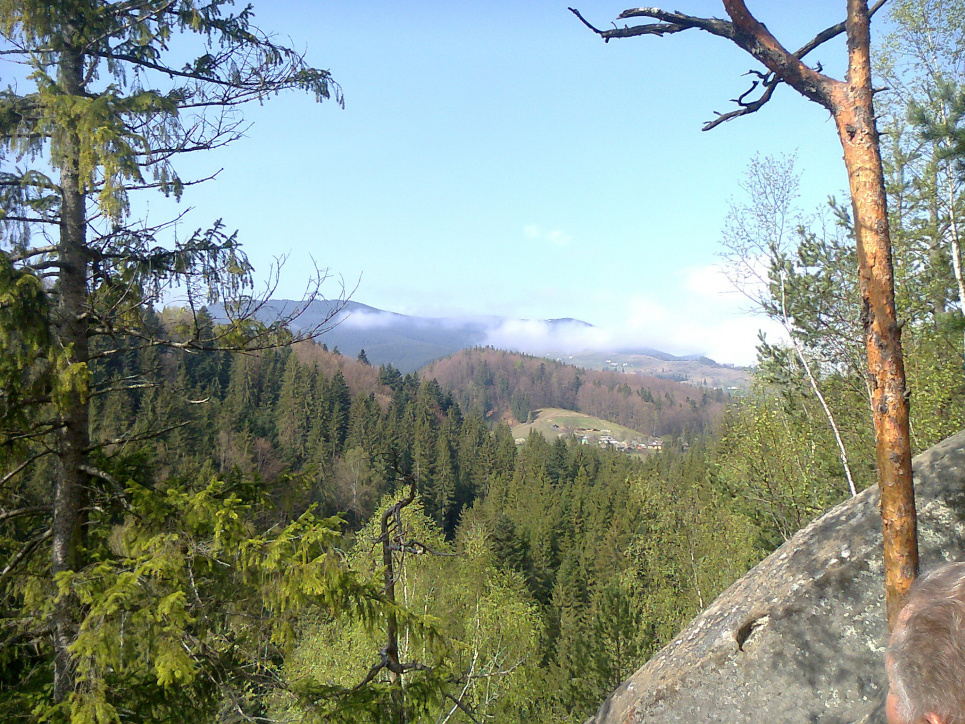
(705, 317)
(722, 335)
(368, 320)
(725, 340)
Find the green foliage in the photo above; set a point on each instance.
(193, 601)
(130, 565)
(775, 452)
(226, 554)
(482, 626)
(24, 344)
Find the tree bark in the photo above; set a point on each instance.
(71, 330)
(854, 117)
(851, 105)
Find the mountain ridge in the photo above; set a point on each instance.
(410, 342)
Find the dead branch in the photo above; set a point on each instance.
(13, 473)
(760, 44)
(124, 440)
(110, 480)
(462, 706)
(31, 510)
(670, 22)
(23, 554)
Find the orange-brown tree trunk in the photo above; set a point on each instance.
(850, 102)
(854, 117)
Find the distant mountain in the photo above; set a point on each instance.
(387, 337)
(568, 320)
(666, 357)
(409, 342)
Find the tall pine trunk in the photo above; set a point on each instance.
(851, 104)
(71, 326)
(854, 117)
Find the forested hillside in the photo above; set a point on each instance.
(551, 570)
(509, 386)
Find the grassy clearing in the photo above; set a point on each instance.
(552, 422)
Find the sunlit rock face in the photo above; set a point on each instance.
(801, 637)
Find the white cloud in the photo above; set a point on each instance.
(706, 317)
(542, 337)
(709, 280)
(703, 315)
(555, 237)
(368, 320)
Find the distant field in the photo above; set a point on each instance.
(553, 422)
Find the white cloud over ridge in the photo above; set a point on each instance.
(707, 318)
(368, 320)
(728, 340)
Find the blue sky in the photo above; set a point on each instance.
(497, 158)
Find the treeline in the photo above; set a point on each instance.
(508, 385)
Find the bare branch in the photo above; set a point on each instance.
(110, 480)
(750, 35)
(745, 108)
(23, 554)
(39, 430)
(36, 251)
(28, 219)
(22, 466)
(461, 705)
(771, 81)
(19, 512)
(126, 388)
(138, 438)
(670, 22)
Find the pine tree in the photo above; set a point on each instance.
(108, 108)
(292, 411)
(339, 404)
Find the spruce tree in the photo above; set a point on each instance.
(106, 110)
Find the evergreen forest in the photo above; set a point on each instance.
(232, 523)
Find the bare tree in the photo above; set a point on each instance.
(850, 102)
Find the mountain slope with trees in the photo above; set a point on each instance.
(551, 548)
(509, 386)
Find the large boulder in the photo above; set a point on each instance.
(801, 637)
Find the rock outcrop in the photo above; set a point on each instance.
(800, 637)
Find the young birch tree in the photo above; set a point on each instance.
(850, 103)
